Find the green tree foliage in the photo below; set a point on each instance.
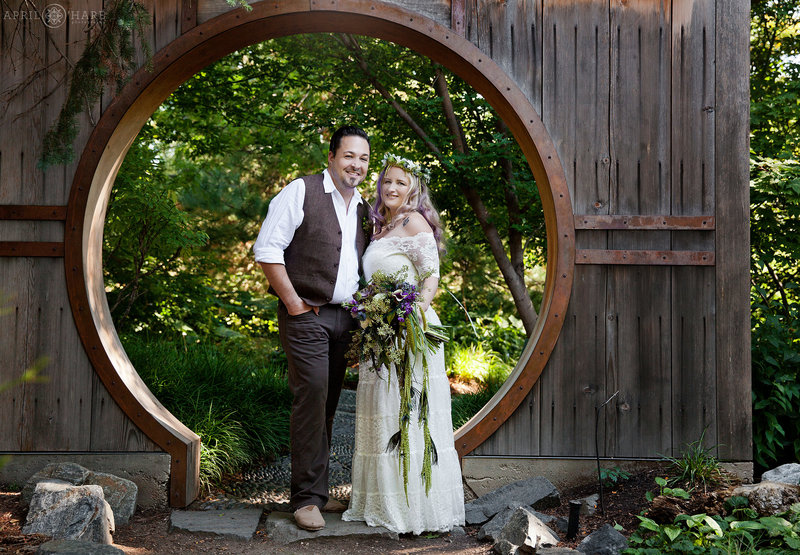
(228, 139)
(775, 223)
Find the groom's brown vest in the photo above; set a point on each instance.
(312, 258)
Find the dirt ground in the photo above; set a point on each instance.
(148, 531)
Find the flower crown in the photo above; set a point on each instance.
(421, 172)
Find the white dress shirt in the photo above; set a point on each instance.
(285, 215)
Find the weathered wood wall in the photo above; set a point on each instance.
(72, 411)
(646, 102)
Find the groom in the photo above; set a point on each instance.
(310, 248)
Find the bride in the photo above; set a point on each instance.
(407, 235)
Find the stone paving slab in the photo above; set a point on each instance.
(281, 528)
(233, 523)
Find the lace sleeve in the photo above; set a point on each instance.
(421, 249)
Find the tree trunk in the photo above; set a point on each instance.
(511, 269)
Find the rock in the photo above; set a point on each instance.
(491, 529)
(282, 529)
(535, 492)
(504, 547)
(560, 522)
(769, 498)
(526, 532)
(589, 504)
(120, 493)
(72, 473)
(63, 511)
(605, 541)
(239, 524)
(555, 551)
(77, 547)
(784, 474)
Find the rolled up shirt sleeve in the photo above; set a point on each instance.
(284, 216)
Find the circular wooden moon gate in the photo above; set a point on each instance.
(206, 43)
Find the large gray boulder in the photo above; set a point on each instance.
(63, 511)
(491, 529)
(69, 472)
(605, 541)
(524, 533)
(769, 498)
(77, 547)
(536, 492)
(784, 474)
(121, 494)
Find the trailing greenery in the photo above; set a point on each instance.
(107, 60)
(236, 400)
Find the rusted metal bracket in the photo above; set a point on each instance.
(31, 248)
(644, 257)
(31, 212)
(648, 222)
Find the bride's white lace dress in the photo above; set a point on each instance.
(378, 496)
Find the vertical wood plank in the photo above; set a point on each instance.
(111, 429)
(510, 32)
(575, 103)
(188, 15)
(14, 301)
(77, 38)
(693, 322)
(732, 144)
(638, 313)
(166, 22)
(57, 412)
(55, 181)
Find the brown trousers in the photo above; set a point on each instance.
(315, 347)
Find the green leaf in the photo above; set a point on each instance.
(672, 532)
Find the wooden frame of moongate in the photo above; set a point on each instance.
(208, 42)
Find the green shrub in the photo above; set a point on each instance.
(776, 384)
(236, 399)
(465, 406)
(679, 493)
(696, 465)
(613, 476)
(740, 532)
(473, 361)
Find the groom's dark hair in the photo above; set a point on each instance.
(346, 131)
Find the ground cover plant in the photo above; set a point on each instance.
(236, 400)
(738, 530)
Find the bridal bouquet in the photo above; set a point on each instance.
(394, 333)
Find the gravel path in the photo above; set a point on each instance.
(268, 486)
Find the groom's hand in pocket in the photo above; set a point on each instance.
(301, 307)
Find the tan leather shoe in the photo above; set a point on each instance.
(334, 506)
(309, 518)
